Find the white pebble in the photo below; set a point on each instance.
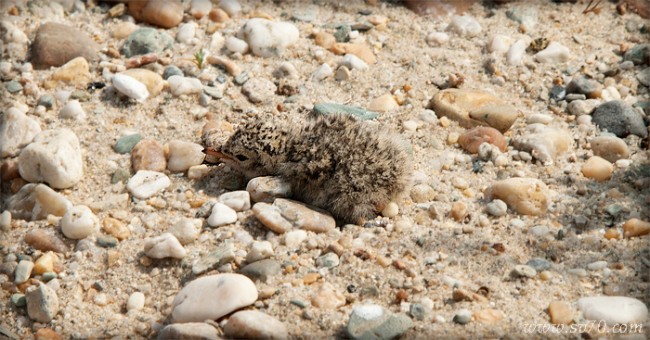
(198, 171)
(499, 44)
(183, 155)
(200, 8)
(237, 200)
(613, 309)
(186, 33)
(584, 120)
(353, 62)
(5, 220)
(267, 188)
(186, 230)
(135, 302)
(232, 7)
(268, 38)
(497, 208)
(553, 53)
(16, 130)
(293, 238)
(236, 45)
(464, 25)
(437, 38)
(286, 70)
(254, 324)
(130, 87)
(179, 85)
(598, 265)
(221, 215)
(259, 250)
(515, 55)
(79, 222)
(73, 110)
(53, 157)
(164, 246)
(410, 125)
(322, 72)
(391, 210)
(539, 118)
(146, 183)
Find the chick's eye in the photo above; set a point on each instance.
(241, 158)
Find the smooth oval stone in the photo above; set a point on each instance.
(472, 139)
(613, 309)
(130, 87)
(636, 227)
(560, 312)
(211, 297)
(126, 143)
(164, 246)
(384, 103)
(150, 79)
(597, 168)
(619, 118)
(135, 302)
(610, 148)
(145, 183)
(56, 44)
(252, 324)
(179, 85)
(221, 215)
(471, 108)
(526, 196)
(268, 38)
(333, 108)
(270, 216)
(190, 330)
(183, 155)
(262, 270)
(148, 154)
(236, 200)
(165, 14)
(79, 222)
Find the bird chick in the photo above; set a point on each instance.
(334, 162)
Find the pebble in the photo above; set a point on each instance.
(42, 303)
(213, 92)
(322, 72)
(232, 7)
(123, 29)
(497, 208)
(499, 44)
(353, 62)
(190, 330)
(437, 38)
(135, 301)
(326, 297)
(197, 172)
(236, 200)
(171, 70)
(262, 270)
(342, 73)
(196, 301)
(236, 45)
(333, 108)
(224, 254)
(45, 263)
(37, 201)
(284, 214)
(116, 228)
(150, 79)
(13, 86)
(179, 85)
(421, 193)
(463, 316)
(23, 271)
(146, 40)
(539, 118)
(619, 118)
(221, 215)
(638, 54)
(384, 103)
(186, 230)
(74, 72)
(560, 313)
(516, 52)
(294, 238)
(613, 309)
(539, 264)
(145, 184)
(253, 324)
(79, 222)
(329, 260)
(391, 210)
(130, 87)
(46, 101)
(597, 168)
(5, 220)
(597, 265)
(644, 76)
(488, 316)
(183, 155)
(473, 108)
(582, 107)
(51, 37)
(18, 300)
(526, 196)
(45, 241)
(636, 227)
(126, 143)
(219, 15)
(525, 15)
(186, 33)
(164, 246)
(268, 38)
(554, 53)
(259, 90)
(268, 188)
(610, 148)
(471, 140)
(259, 250)
(543, 142)
(16, 131)
(524, 271)
(583, 85)
(148, 154)
(53, 157)
(166, 14)
(464, 25)
(374, 322)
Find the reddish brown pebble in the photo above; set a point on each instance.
(45, 241)
(636, 227)
(140, 60)
(499, 247)
(9, 169)
(459, 211)
(612, 234)
(47, 334)
(401, 296)
(218, 15)
(472, 139)
(148, 154)
(399, 264)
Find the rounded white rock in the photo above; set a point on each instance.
(221, 215)
(239, 200)
(353, 62)
(130, 87)
(464, 25)
(164, 246)
(613, 309)
(73, 110)
(268, 38)
(236, 45)
(253, 324)
(179, 85)
(135, 302)
(79, 222)
(16, 131)
(553, 53)
(186, 230)
(183, 155)
(186, 33)
(196, 301)
(259, 250)
(146, 183)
